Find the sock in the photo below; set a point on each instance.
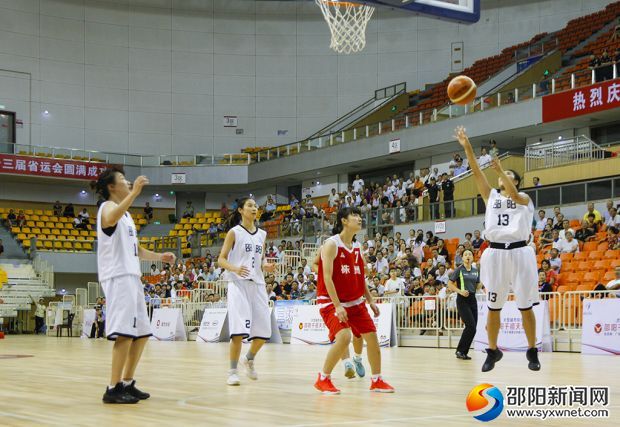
(110, 387)
(357, 356)
(250, 355)
(323, 375)
(376, 377)
(345, 361)
(233, 364)
(127, 382)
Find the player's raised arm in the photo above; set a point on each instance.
(112, 212)
(148, 255)
(481, 180)
(509, 185)
(222, 260)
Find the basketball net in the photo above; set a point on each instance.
(347, 24)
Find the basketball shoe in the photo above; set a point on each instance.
(248, 365)
(380, 386)
(233, 378)
(325, 385)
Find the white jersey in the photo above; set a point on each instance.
(117, 248)
(507, 221)
(247, 251)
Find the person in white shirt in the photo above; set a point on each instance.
(614, 285)
(306, 267)
(541, 221)
(566, 225)
(607, 211)
(333, 199)
(358, 184)
(568, 245)
(614, 218)
(382, 266)
(394, 286)
(442, 274)
(484, 158)
(437, 259)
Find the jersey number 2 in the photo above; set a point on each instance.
(503, 219)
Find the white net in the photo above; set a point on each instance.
(347, 24)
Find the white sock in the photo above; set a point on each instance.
(110, 387)
(357, 356)
(345, 361)
(232, 371)
(323, 375)
(376, 377)
(127, 382)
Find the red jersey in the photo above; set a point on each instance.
(347, 274)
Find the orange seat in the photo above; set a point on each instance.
(612, 254)
(602, 264)
(586, 287)
(615, 263)
(576, 276)
(592, 276)
(594, 255)
(574, 223)
(590, 246)
(580, 256)
(609, 276)
(569, 267)
(585, 266)
(562, 289)
(602, 246)
(566, 257)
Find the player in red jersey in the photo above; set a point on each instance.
(340, 294)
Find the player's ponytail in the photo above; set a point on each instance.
(105, 178)
(343, 214)
(235, 217)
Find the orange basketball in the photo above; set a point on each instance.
(461, 90)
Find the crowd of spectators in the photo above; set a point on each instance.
(603, 65)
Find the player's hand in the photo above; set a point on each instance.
(168, 257)
(461, 136)
(341, 313)
(269, 267)
(375, 309)
(242, 271)
(464, 293)
(139, 184)
(496, 165)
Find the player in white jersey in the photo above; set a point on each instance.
(248, 304)
(509, 261)
(118, 261)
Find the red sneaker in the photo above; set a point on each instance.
(380, 386)
(325, 386)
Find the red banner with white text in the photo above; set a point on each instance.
(585, 100)
(52, 168)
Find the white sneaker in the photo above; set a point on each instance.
(248, 365)
(233, 378)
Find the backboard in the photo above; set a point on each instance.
(454, 10)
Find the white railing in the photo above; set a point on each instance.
(309, 250)
(44, 270)
(546, 154)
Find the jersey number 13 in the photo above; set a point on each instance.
(503, 219)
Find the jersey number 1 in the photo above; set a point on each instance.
(503, 219)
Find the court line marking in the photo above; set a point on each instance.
(380, 420)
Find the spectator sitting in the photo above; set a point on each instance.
(614, 218)
(78, 225)
(148, 212)
(431, 240)
(458, 257)
(69, 211)
(565, 228)
(395, 285)
(57, 208)
(437, 259)
(292, 201)
(614, 285)
(441, 250)
(212, 276)
(382, 265)
(295, 294)
(612, 239)
(541, 221)
(588, 230)
(543, 285)
(154, 270)
(550, 274)
(568, 245)
(555, 261)
(21, 219)
(310, 292)
(442, 275)
(478, 241)
(591, 210)
(11, 218)
(559, 225)
(84, 217)
(212, 230)
(189, 210)
(548, 237)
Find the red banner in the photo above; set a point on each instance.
(585, 100)
(54, 168)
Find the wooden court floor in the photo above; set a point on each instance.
(63, 382)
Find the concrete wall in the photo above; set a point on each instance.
(158, 76)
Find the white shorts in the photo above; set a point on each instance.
(501, 270)
(248, 310)
(125, 314)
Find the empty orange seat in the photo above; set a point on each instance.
(566, 257)
(562, 289)
(615, 254)
(585, 266)
(602, 246)
(580, 256)
(590, 246)
(594, 255)
(602, 264)
(592, 276)
(608, 277)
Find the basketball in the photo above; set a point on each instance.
(461, 90)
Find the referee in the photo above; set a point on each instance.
(465, 280)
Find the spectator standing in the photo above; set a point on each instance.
(536, 181)
(447, 186)
(433, 198)
(21, 219)
(69, 211)
(1, 248)
(485, 158)
(460, 168)
(358, 184)
(333, 199)
(148, 212)
(224, 212)
(57, 208)
(494, 151)
(189, 210)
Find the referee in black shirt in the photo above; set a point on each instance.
(465, 280)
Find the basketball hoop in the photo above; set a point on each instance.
(347, 24)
